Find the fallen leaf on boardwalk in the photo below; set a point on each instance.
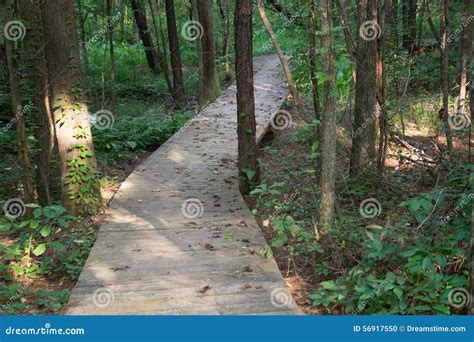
(204, 289)
(246, 286)
(120, 268)
(209, 247)
(247, 269)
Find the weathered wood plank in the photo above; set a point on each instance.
(156, 254)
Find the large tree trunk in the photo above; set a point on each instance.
(38, 77)
(144, 33)
(18, 110)
(444, 71)
(176, 68)
(328, 167)
(209, 87)
(79, 183)
(464, 48)
(246, 126)
(281, 55)
(363, 154)
(110, 33)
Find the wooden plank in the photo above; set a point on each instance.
(151, 257)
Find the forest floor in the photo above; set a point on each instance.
(288, 197)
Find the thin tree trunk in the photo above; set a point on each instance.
(464, 48)
(312, 62)
(228, 74)
(342, 6)
(444, 71)
(110, 31)
(328, 167)
(381, 90)
(82, 38)
(209, 87)
(19, 111)
(366, 115)
(176, 68)
(246, 126)
(145, 36)
(161, 55)
(79, 184)
(38, 77)
(281, 55)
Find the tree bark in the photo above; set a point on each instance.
(18, 110)
(328, 167)
(366, 115)
(161, 54)
(79, 184)
(246, 126)
(444, 71)
(312, 63)
(176, 68)
(145, 36)
(209, 86)
(464, 47)
(38, 77)
(110, 33)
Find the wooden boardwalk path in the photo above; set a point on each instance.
(179, 238)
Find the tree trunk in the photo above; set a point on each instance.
(346, 24)
(38, 77)
(328, 166)
(464, 48)
(409, 24)
(363, 154)
(246, 126)
(79, 183)
(312, 63)
(110, 31)
(444, 71)
(176, 68)
(281, 55)
(209, 87)
(145, 36)
(18, 110)
(82, 38)
(161, 54)
(228, 75)
(380, 79)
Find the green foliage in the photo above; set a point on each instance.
(49, 243)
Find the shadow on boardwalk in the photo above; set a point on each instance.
(179, 238)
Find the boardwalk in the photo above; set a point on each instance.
(179, 238)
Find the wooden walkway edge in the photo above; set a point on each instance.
(179, 239)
